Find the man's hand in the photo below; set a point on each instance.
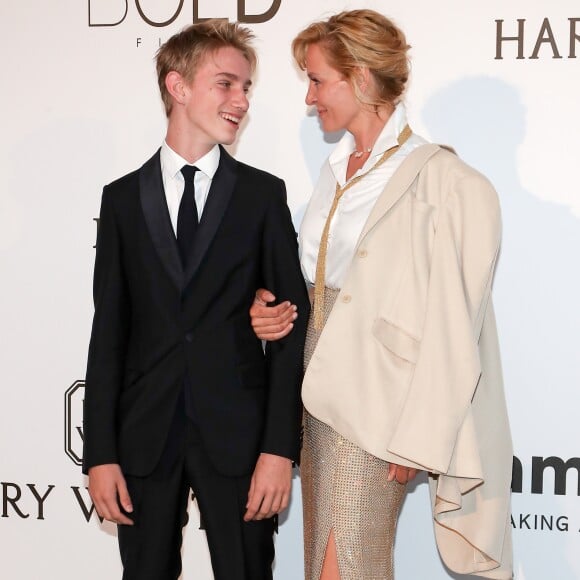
(271, 322)
(400, 473)
(108, 489)
(270, 487)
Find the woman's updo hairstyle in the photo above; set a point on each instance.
(361, 38)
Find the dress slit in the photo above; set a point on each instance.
(345, 492)
(325, 561)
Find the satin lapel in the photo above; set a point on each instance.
(157, 217)
(398, 184)
(220, 193)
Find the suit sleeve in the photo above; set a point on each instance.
(107, 345)
(282, 276)
(448, 366)
(458, 372)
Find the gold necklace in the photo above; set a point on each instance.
(319, 283)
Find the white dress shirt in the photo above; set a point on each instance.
(356, 203)
(174, 183)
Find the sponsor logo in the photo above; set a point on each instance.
(553, 469)
(24, 501)
(107, 13)
(556, 465)
(29, 501)
(529, 41)
(540, 522)
(73, 421)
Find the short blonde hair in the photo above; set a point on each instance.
(184, 51)
(361, 38)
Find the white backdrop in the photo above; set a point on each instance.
(79, 107)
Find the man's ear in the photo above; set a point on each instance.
(176, 86)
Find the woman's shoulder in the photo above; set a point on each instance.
(447, 178)
(446, 164)
(447, 159)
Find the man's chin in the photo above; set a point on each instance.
(229, 140)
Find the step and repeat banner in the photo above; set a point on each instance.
(498, 81)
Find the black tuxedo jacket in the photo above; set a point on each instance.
(155, 323)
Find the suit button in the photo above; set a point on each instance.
(362, 253)
(189, 337)
(346, 298)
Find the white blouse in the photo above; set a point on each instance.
(356, 203)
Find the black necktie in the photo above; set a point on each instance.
(187, 221)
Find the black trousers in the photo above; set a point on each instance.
(151, 548)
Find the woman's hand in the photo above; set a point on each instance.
(271, 322)
(401, 473)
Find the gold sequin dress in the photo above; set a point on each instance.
(345, 490)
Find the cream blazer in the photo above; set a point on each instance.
(408, 366)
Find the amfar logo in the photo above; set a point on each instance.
(73, 421)
(560, 470)
(114, 12)
(544, 39)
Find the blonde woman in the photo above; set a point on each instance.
(402, 371)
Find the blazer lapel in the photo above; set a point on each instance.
(398, 184)
(220, 193)
(157, 218)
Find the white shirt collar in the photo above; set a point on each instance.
(172, 162)
(386, 139)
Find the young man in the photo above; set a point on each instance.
(179, 393)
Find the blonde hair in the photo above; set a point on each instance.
(184, 51)
(361, 38)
